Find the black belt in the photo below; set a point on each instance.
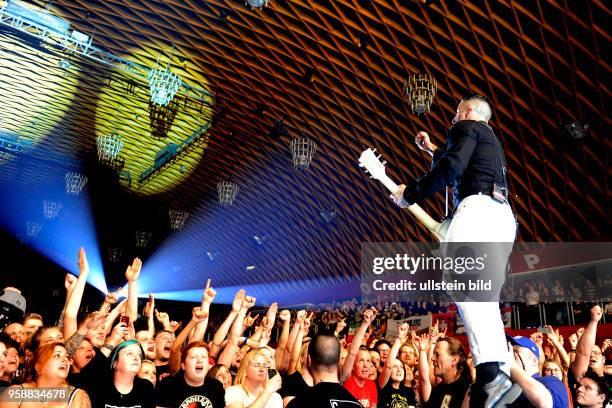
(499, 194)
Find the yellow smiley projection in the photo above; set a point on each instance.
(150, 132)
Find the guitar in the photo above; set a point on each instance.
(372, 165)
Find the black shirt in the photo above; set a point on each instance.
(448, 395)
(105, 395)
(175, 392)
(161, 369)
(294, 385)
(390, 397)
(472, 157)
(325, 395)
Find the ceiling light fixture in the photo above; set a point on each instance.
(420, 90)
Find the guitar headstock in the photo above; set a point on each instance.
(372, 164)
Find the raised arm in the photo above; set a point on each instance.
(229, 351)
(585, 344)
(402, 335)
(197, 316)
(131, 274)
(555, 339)
(422, 343)
(208, 295)
(74, 301)
(347, 367)
(285, 316)
(69, 283)
(217, 343)
(301, 315)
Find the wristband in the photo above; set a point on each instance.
(572, 350)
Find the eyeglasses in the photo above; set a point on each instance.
(258, 365)
(589, 387)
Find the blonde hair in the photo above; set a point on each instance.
(244, 365)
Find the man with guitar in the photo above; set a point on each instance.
(472, 162)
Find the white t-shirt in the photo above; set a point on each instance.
(236, 393)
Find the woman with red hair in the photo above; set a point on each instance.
(49, 386)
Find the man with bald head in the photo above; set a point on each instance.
(322, 362)
(472, 162)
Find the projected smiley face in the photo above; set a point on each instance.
(154, 136)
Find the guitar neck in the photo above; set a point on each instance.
(431, 224)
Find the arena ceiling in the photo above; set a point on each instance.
(332, 71)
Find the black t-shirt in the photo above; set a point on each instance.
(175, 392)
(90, 375)
(325, 395)
(105, 395)
(162, 369)
(390, 397)
(448, 395)
(294, 385)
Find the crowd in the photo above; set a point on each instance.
(118, 357)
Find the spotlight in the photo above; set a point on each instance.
(578, 130)
(250, 267)
(278, 129)
(212, 255)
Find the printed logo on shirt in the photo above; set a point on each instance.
(196, 401)
(446, 401)
(365, 403)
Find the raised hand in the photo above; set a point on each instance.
(341, 325)
(83, 264)
(238, 299)
(70, 282)
(94, 320)
(537, 338)
(209, 294)
(198, 315)
(150, 306)
(285, 315)
(112, 297)
(580, 332)
(248, 302)
(369, 315)
(423, 141)
(133, 271)
(271, 315)
(301, 315)
(573, 340)
(596, 313)
(402, 332)
(163, 318)
(174, 326)
(249, 321)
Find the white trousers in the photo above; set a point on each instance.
(479, 218)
